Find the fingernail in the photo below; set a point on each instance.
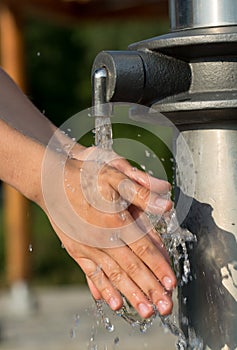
(144, 309)
(114, 303)
(167, 281)
(162, 306)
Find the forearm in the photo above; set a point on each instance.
(18, 111)
(21, 159)
(24, 136)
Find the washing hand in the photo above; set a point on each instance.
(126, 255)
(110, 238)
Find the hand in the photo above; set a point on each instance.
(134, 262)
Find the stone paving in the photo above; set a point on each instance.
(65, 319)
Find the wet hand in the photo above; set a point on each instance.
(125, 255)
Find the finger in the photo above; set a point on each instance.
(144, 224)
(143, 278)
(99, 284)
(144, 179)
(94, 291)
(139, 195)
(109, 278)
(156, 262)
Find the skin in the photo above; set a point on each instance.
(139, 268)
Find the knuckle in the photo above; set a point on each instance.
(158, 271)
(143, 193)
(72, 251)
(115, 276)
(143, 250)
(132, 269)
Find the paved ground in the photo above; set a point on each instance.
(66, 320)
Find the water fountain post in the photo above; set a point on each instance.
(190, 75)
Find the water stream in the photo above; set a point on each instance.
(175, 239)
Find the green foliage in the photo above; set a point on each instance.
(59, 60)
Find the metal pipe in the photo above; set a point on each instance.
(99, 81)
(101, 109)
(187, 14)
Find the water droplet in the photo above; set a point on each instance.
(115, 236)
(62, 246)
(72, 333)
(108, 325)
(123, 216)
(147, 153)
(38, 53)
(143, 167)
(30, 248)
(139, 135)
(67, 146)
(150, 172)
(116, 340)
(124, 204)
(77, 320)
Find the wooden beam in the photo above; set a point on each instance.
(16, 207)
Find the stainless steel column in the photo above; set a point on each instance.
(200, 54)
(187, 14)
(208, 303)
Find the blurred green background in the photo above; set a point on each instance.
(58, 66)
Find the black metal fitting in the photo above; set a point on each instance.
(142, 76)
(212, 57)
(181, 74)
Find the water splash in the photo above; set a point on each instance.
(175, 240)
(105, 320)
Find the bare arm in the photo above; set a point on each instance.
(138, 268)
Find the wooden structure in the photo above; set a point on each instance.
(16, 207)
(12, 13)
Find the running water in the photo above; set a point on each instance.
(103, 133)
(175, 240)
